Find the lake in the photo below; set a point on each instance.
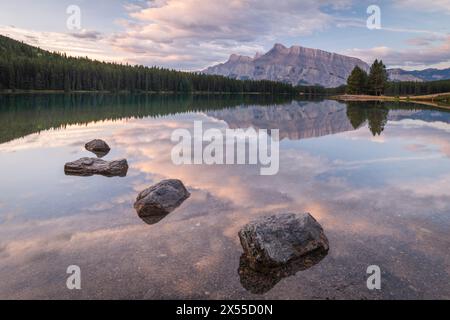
(375, 175)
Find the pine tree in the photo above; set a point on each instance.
(357, 81)
(377, 78)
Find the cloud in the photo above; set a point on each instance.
(415, 57)
(86, 34)
(439, 6)
(196, 33)
(85, 43)
(190, 34)
(425, 41)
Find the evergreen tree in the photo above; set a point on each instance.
(357, 81)
(377, 78)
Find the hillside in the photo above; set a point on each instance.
(24, 67)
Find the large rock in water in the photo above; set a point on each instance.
(99, 147)
(156, 202)
(86, 167)
(274, 241)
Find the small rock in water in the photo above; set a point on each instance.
(86, 167)
(156, 202)
(274, 241)
(99, 147)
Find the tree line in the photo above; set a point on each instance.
(414, 88)
(376, 83)
(24, 67)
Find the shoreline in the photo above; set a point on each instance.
(4, 92)
(432, 100)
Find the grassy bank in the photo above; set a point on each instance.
(440, 100)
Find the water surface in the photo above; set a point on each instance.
(376, 176)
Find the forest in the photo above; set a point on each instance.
(413, 88)
(24, 67)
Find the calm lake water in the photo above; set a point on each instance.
(376, 176)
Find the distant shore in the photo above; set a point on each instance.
(434, 100)
(440, 100)
(136, 92)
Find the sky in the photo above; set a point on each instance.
(195, 34)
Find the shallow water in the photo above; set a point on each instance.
(377, 177)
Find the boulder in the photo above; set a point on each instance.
(86, 167)
(156, 202)
(274, 241)
(99, 147)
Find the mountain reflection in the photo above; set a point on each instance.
(22, 115)
(305, 119)
(297, 120)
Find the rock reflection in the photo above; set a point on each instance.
(100, 154)
(258, 282)
(153, 219)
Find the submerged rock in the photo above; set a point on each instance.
(274, 241)
(262, 282)
(86, 167)
(156, 202)
(99, 147)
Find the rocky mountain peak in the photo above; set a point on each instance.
(279, 47)
(239, 58)
(257, 55)
(295, 65)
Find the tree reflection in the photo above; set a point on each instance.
(375, 113)
(24, 114)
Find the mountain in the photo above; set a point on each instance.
(295, 65)
(419, 75)
(402, 75)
